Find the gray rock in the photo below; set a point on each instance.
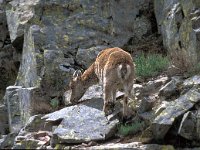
(198, 125)
(178, 23)
(3, 34)
(96, 91)
(138, 90)
(148, 117)
(81, 124)
(4, 127)
(30, 144)
(8, 68)
(32, 102)
(174, 109)
(13, 106)
(36, 124)
(35, 134)
(187, 127)
(49, 71)
(170, 89)
(18, 13)
(23, 103)
(194, 80)
(57, 72)
(93, 92)
(146, 104)
(86, 57)
(132, 145)
(161, 107)
(153, 86)
(3, 29)
(8, 141)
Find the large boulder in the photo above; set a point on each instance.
(9, 60)
(18, 14)
(178, 22)
(75, 124)
(9, 65)
(173, 110)
(188, 126)
(22, 103)
(32, 101)
(13, 108)
(81, 124)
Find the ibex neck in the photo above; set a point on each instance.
(89, 77)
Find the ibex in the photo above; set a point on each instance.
(114, 68)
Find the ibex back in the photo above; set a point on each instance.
(114, 68)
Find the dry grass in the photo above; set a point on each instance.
(184, 63)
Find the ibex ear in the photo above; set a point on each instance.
(77, 74)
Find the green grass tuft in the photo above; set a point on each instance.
(151, 65)
(130, 129)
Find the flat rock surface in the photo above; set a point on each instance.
(81, 123)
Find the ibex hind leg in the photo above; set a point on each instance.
(108, 100)
(125, 107)
(128, 94)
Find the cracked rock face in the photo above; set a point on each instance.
(173, 110)
(179, 24)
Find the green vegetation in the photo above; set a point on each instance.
(150, 65)
(130, 128)
(54, 103)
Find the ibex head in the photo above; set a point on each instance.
(76, 87)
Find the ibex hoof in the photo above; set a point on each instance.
(109, 108)
(126, 119)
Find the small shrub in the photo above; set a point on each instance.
(130, 129)
(151, 65)
(194, 70)
(182, 60)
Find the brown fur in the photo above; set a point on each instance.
(105, 69)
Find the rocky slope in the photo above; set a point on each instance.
(179, 23)
(43, 42)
